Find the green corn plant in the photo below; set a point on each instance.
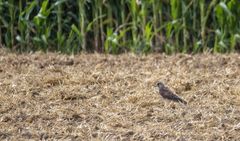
(233, 27)
(82, 16)
(220, 33)
(147, 36)
(197, 47)
(134, 11)
(185, 33)
(12, 16)
(25, 26)
(143, 14)
(176, 9)
(172, 35)
(73, 40)
(116, 26)
(1, 23)
(42, 29)
(186, 19)
(202, 21)
(111, 42)
(169, 49)
(114, 40)
(76, 37)
(69, 42)
(196, 43)
(60, 36)
(169, 28)
(220, 44)
(146, 27)
(204, 16)
(95, 13)
(9, 36)
(20, 28)
(227, 22)
(157, 21)
(233, 6)
(233, 41)
(102, 36)
(123, 17)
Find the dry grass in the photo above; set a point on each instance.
(104, 97)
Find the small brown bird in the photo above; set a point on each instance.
(166, 93)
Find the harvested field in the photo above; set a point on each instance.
(105, 97)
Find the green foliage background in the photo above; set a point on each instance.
(116, 26)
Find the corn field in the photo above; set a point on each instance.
(118, 26)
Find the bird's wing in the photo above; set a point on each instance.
(170, 95)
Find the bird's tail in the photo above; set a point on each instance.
(182, 101)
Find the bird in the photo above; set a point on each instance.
(166, 93)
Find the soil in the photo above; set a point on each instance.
(105, 97)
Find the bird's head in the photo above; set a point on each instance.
(160, 85)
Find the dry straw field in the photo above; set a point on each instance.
(104, 97)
